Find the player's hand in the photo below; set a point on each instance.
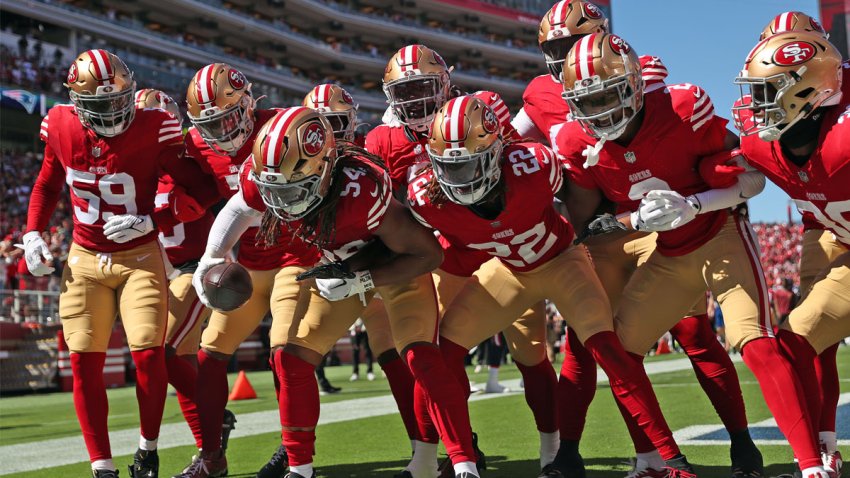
(338, 289)
(603, 224)
(666, 210)
(126, 227)
(204, 264)
(331, 270)
(35, 253)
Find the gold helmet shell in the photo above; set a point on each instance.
(101, 87)
(292, 161)
(563, 25)
(220, 106)
(465, 147)
(337, 106)
(792, 22)
(153, 98)
(785, 77)
(416, 82)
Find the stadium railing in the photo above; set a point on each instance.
(21, 306)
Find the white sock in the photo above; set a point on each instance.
(828, 440)
(494, 376)
(424, 461)
(549, 444)
(651, 459)
(466, 467)
(303, 470)
(103, 465)
(412, 447)
(146, 444)
(815, 472)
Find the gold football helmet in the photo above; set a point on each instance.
(416, 82)
(563, 25)
(602, 84)
(787, 76)
(792, 22)
(293, 158)
(220, 105)
(152, 98)
(101, 87)
(337, 106)
(465, 147)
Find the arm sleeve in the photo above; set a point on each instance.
(230, 223)
(524, 127)
(750, 183)
(45, 191)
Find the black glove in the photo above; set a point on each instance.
(604, 224)
(331, 270)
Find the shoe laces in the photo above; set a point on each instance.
(677, 473)
(278, 456)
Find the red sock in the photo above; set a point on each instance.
(401, 385)
(641, 442)
(211, 398)
(151, 389)
(454, 357)
(298, 405)
(446, 398)
(714, 370)
(784, 396)
(183, 375)
(827, 373)
(576, 387)
(273, 368)
(90, 402)
(541, 390)
(802, 357)
(427, 430)
(632, 388)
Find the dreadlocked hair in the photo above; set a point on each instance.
(317, 227)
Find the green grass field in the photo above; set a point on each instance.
(378, 446)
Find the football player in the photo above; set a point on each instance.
(339, 198)
(485, 196)
(111, 155)
(609, 150)
(793, 117)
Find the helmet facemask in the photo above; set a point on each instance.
(343, 123)
(226, 131)
(109, 113)
(294, 200)
(466, 178)
(555, 54)
(604, 108)
(416, 99)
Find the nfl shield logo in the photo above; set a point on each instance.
(95, 151)
(630, 157)
(496, 224)
(803, 176)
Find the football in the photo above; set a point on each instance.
(228, 286)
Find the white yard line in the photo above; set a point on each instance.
(65, 451)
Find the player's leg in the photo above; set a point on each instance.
(143, 306)
(88, 307)
(526, 340)
(221, 338)
(734, 275)
(186, 316)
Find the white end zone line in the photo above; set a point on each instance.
(689, 435)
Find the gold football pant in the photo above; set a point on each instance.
(664, 288)
(96, 287)
(820, 248)
(186, 316)
(276, 291)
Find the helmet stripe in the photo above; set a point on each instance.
(203, 85)
(584, 62)
(100, 63)
(454, 127)
(275, 135)
(324, 96)
(559, 13)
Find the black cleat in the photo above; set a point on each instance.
(747, 461)
(227, 426)
(569, 463)
(276, 467)
(326, 387)
(145, 464)
(104, 473)
(549, 471)
(446, 469)
(679, 468)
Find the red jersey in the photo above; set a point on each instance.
(359, 212)
(679, 127)
(403, 150)
(819, 187)
(185, 241)
(809, 220)
(526, 234)
(108, 175)
(252, 254)
(546, 108)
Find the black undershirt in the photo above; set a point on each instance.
(804, 132)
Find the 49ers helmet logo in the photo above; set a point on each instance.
(236, 79)
(794, 53)
(490, 122)
(817, 26)
(592, 11)
(619, 45)
(313, 139)
(347, 98)
(73, 74)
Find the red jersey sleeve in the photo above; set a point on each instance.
(695, 108)
(653, 70)
(375, 142)
(494, 100)
(47, 188)
(250, 193)
(567, 149)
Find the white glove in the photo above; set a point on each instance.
(126, 227)
(662, 210)
(338, 289)
(35, 253)
(204, 264)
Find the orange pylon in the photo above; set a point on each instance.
(242, 389)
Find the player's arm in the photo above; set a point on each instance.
(43, 199)
(201, 190)
(526, 128)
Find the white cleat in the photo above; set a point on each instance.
(354, 377)
(496, 388)
(370, 376)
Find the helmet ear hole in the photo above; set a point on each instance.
(804, 93)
